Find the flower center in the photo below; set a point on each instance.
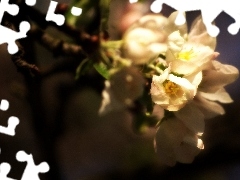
(186, 55)
(170, 87)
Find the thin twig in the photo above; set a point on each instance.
(57, 46)
(19, 58)
(89, 42)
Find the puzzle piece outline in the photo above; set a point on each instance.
(59, 19)
(7, 35)
(209, 10)
(31, 170)
(12, 121)
(4, 170)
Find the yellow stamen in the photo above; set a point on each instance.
(186, 55)
(171, 88)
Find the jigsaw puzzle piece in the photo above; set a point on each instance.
(51, 16)
(12, 9)
(30, 2)
(9, 36)
(31, 171)
(4, 170)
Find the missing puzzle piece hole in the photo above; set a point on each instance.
(30, 2)
(24, 27)
(233, 28)
(4, 105)
(13, 9)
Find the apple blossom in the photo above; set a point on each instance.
(183, 84)
(146, 39)
(190, 53)
(175, 142)
(171, 92)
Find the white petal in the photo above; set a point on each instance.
(190, 90)
(221, 95)
(160, 79)
(145, 39)
(192, 117)
(157, 48)
(168, 137)
(159, 96)
(220, 76)
(186, 153)
(197, 79)
(171, 27)
(227, 69)
(210, 109)
(179, 66)
(180, 81)
(199, 34)
(193, 140)
(175, 41)
(109, 102)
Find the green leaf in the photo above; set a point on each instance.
(102, 69)
(83, 68)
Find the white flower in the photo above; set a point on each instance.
(187, 57)
(175, 142)
(216, 76)
(190, 54)
(171, 92)
(146, 39)
(192, 117)
(122, 89)
(211, 90)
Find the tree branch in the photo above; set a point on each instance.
(57, 46)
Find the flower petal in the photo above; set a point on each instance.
(197, 55)
(190, 89)
(218, 77)
(199, 34)
(193, 140)
(175, 41)
(210, 109)
(168, 137)
(109, 102)
(195, 78)
(192, 117)
(145, 39)
(171, 27)
(186, 153)
(138, 48)
(221, 95)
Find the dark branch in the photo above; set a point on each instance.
(88, 42)
(57, 46)
(19, 58)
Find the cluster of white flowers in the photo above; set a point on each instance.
(180, 72)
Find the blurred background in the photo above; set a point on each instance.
(87, 146)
